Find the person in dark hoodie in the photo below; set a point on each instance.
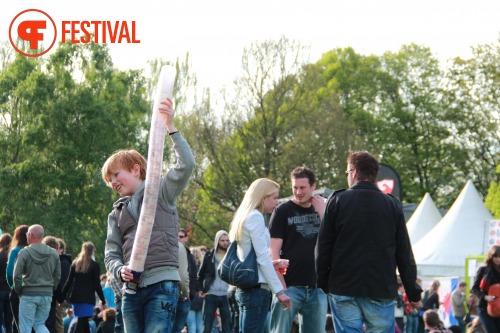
(36, 275)
(211, 286)
(50, 323)
(65, 259)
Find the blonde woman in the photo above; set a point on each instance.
(248, 228)
(83, 282)
(195, 318)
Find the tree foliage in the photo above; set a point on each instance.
(61, 118)
(493, 198)
(473, 100)
(404, 109)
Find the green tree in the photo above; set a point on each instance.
(245, 142)
(282, 119)
(473, 102)
(493, 198)
(413, 131)
(396, 105)
(61, 119)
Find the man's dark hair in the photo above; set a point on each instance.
(304, 172)
(183, 231)
(109, 314)
(51, 241)
(365, 163)
(431, 318)
(62, 244)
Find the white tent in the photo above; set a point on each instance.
(461, 232)
(425, 217)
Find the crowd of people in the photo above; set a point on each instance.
(472, 315)
(202, 310)
(38, 281)
(322, 266)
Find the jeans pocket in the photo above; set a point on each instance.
(340, 298)
(168, 288)
(250, 299)
(383, 303)
(346, 310)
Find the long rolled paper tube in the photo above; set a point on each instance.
(164, 89)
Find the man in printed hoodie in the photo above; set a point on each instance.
(36, 275)
(211, 286)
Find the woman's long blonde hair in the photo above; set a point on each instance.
(197, 254)
(435, 285)
(82, 261)
(253, 199)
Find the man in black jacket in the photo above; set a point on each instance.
(362, 240)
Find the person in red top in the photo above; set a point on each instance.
(411, 315)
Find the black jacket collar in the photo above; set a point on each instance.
(365, 185)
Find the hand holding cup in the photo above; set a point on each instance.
(281, 265)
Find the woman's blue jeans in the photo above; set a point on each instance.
(194, 321)
(254, 309)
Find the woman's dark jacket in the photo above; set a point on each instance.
(81, 287)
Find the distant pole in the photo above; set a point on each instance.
(164, 90)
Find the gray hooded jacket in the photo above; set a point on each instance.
(37, 271)
(209, 280)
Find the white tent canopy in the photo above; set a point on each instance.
(461, 232)
(425, 217)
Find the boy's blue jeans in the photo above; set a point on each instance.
(150, 309)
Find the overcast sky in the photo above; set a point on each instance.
(215, 32)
